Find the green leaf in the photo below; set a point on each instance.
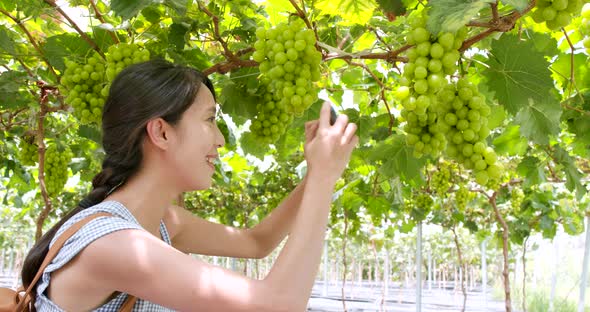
(128, 8)
(237, 103)
(538, 120)
(91, 133)
(59, 47)
(531, 171)
(397, 159)
(450, 15)
(519, 5)
(510, 142)
(351, 11)
(252, 146)
(396, 7)
(176, 35)
(6, 40)
(562, 69)
(572, 173)
(518, 72)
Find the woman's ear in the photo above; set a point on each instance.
(158, 133)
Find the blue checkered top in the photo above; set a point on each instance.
(122, 219)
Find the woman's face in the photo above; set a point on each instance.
(197, 139)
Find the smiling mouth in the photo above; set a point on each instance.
(212, 161)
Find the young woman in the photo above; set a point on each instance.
(160, 139)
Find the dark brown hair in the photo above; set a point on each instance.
(139, 93)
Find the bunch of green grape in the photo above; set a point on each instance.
(423, 201)
(86, 84)
(424, 76)
(122, 55)
(28, 153)
(289, 65)
(441, 179)
(82, 84)
(516, 199)
(465, 125)
(556, 13)
(462, 197)
(56, 168)
(271, 120)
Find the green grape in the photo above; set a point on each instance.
(83, 84)
(56, 168)
(289, 65)
(516, 199)
(28, 152)
(556, 13)
(462, 197)
(441, 179)
(427, 99)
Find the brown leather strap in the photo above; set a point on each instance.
(128, 304)
(53, 252)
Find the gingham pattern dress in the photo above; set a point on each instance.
(122, 219)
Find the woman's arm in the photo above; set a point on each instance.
(192, 234)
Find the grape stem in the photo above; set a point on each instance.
(98, 16)
(226, 51)
(8, 122)
(383, 87)
(75, 26)
(303, 16)
(225, 67)
(21, 25)
(572, 77)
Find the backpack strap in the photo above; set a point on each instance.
(26, 298)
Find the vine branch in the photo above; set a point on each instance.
(75, 26)
(226, 51)
(501, 24)
(41, 150)
(98, 16)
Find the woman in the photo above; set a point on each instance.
(161, 139)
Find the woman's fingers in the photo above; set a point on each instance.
(349, 133)
(311, 128)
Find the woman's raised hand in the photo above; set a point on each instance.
(328, 148)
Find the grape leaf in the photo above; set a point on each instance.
(531, 171)
(237, 103)
(561, 69)
(517, 72)
(91, 133)
(510, 142)
(396, 7)
(572, 173)
(59, 47)
(6, 41)
(128, 8)
(176, 35)
(252, 146)
(397, 159)
(351, 11)
(538, 120)
(450, 15)
(519, 5)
